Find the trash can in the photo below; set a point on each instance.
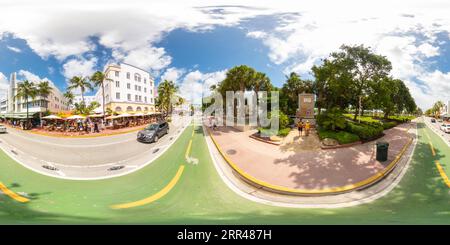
(382, 151)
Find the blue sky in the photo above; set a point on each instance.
(194, 43)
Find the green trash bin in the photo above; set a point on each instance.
(382, 151)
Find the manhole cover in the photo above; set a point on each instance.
(155, 150)
(50, 167)
(231, 152)
(169, 139)
(116, 168)
(14, 152)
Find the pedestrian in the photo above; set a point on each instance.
(307, 127)
(300, 127)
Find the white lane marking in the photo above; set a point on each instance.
(39, 171)
(192, 160)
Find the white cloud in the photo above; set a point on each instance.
(27, 75)
(172, 74)
(257, 34)
(196, 84)
(79, 67)
(14, 49)
(147, 58)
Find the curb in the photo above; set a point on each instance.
(304, 192)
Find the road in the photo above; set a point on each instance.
(436, 128)
(200, 196)
(86, 158)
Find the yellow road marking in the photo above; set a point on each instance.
(349, 187)
(193, 131)
(12, 194)
(188, 150)
(442, 172)
(432, 149)
(154, 197)
(428, 136)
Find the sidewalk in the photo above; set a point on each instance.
(313, 170)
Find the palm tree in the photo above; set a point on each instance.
(70, 97)
(437, 108)
(44, 90)
(99, 78)
(26, 90)
(166, 90)
(82, 83)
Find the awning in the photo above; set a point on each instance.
(51, 117)
(75, 117)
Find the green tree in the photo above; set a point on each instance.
(99, 78)
(294, 86)
(70, 97)
(25, 91)
(364, 68)
(44, 90)
(166, 91)
(82, 83)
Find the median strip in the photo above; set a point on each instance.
(12, 194)
(154, 197)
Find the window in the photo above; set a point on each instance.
(151, 91)
(145, 80)
(145, 90)
(135, 87)
(135, 98)
(128, 86)
(139, 88)
(151, 100)
(137, 77)
(146, 108)
(129, 97)
(138, 108)
(128, 75)
(129, 108)
(116, 73)
(118, 96)
(140, 98)
(117, 84)
(118, 108)
(145, 99)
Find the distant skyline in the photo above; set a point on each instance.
(195, 42)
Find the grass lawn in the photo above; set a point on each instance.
(200, 197)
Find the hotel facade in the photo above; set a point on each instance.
(128, 89)
(13, 107)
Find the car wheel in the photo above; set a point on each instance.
(156, 138)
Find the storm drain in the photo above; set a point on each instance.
(14, 152)
(115, 168)
(50, 167)
(155, 150)
(169, 139)
(231, 152)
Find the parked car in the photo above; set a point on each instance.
(2, 129)
(445, 128)
(153, 132)
(433, 120)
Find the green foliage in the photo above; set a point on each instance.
(388, 125)
(342, 137)
(283, 118)
(284, 132)
(331, 120)
(365, 132)
(166, 91)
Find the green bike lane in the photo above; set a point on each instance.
(201, 197)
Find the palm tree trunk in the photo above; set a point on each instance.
(26, 125)
(103, 98)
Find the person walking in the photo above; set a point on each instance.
(307, 127)
(300, 127)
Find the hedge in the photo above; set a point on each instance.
(341, 136)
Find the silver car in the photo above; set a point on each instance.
(2, 129)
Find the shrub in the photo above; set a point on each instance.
(342, 137)
(331, 120)
(283, 118)
(365, 132)
(284, 132)
(388, 125)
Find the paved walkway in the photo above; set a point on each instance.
(311, 170)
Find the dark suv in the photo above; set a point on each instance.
(153, 132)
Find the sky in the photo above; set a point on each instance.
(194, 42)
